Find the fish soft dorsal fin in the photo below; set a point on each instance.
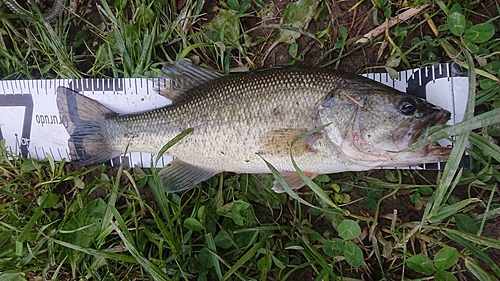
(293, 180)
(179, 175)
(183, 76)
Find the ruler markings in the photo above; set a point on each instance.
(137, 90)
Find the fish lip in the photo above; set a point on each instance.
(440, 117)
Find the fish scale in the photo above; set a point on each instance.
(238, 120)
(222, 112)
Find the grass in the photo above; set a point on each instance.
(63, 223)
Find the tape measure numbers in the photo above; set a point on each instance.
(31, 126)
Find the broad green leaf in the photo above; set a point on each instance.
(421, 263)
(455, 8)
(370, 204)
(322, 178)
(487, 83)
(241, 205)
(466, 224)
(353, 254)
(375, 191)
(265, 263)
(389, 176)
(334, 247)
(278, 263)
(297, 15)
(349, 229)
(392, 72)
(492, 67)
(193, 224)
(415, 197)
(205, 258)
(293, 50)
(14, 276)
(343, 32)
(224, 240)
(342, 198)
(445, 258)
(425, 190)
(480, 33)
(120, 4)
(444, 276)
(48, 200)
(82, 228)
(227, 26)
(473, 48)
(456, 23)
(335, 187)
(237, 218)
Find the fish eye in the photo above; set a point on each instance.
(407, 106)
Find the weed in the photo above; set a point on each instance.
(62, 223)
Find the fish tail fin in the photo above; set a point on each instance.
(85, 121)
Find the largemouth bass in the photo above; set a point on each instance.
(240, 119)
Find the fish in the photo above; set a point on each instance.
(336, 122)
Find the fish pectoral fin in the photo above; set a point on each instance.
(182, 76)
(179, 175)
(293, 180)
(278, 142)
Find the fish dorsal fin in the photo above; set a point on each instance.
(179, 176)
(180, 76)
(278, 142)
(293, 180)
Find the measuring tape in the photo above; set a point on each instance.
(31, 127)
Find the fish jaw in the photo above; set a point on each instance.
(373, 130)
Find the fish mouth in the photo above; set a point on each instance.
(441, 117)
(422, 128)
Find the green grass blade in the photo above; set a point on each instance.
(317, 190)
(243, 259)
(213, 250)
(173, 141)
(99, 253)
(456, 236)
(457, 152)
(151, 268)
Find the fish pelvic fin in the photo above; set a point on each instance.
(179, 175)
(293, 180)
(85, 122)
(182, 76)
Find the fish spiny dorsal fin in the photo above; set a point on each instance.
(180, 76)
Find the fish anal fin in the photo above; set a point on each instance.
(293, 179)
(179, 175)
(278, 142)
(180, 76)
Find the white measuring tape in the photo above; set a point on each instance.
(31, 127)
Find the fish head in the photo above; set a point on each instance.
(371, 126)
